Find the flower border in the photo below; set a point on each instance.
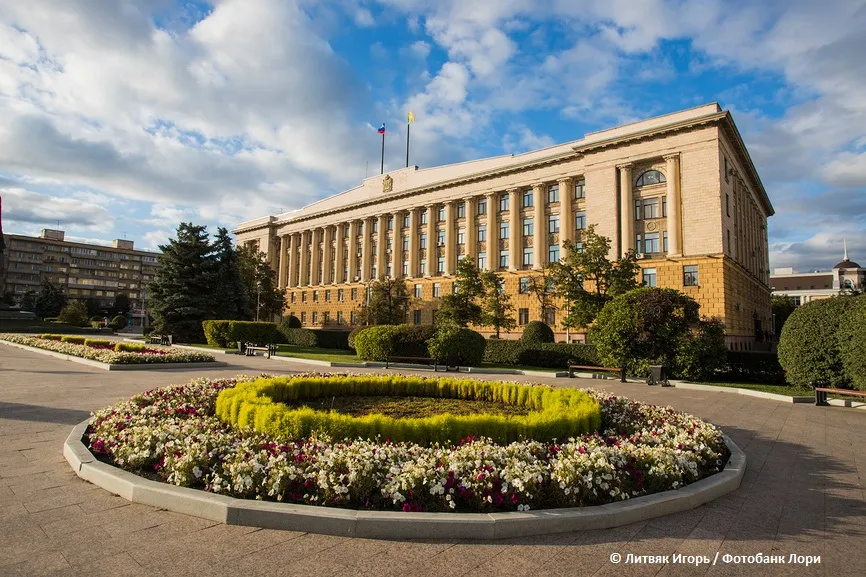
(106, 356)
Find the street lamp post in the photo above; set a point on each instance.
(258, 299)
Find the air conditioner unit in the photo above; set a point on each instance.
(640, 255)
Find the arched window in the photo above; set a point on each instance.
(650, 177)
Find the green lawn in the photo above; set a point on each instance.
(317, 354)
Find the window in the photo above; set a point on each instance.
(690, 275)
(418, 289)
(441, 214)
(522, 317)
(294, 297)
(730, 246)
(345, 232)
(461, 236)
(650, 177)
(550, 317)
(416, 317)
(423, 217)
(527, 199)
(353, 317)
(482, 260)
(523, 285)
(579, 188)
(503, 230)
(315, 317)
(650, 208)
(304, 296)
(482, 207)
(580, 220)
(375, 230)
(482, 233)
(405, 268)
(440, 238)
(361, 227)
(796, 301)
(726, 172)
(503, 202)
(553, 193)
(339, 317)
(327, 296)
(527, 257)
(727, 201)
(528, 227)
(664, 206)
(406, 220)
(326, 316)
(354, 294)
(553, 253)
(405, 243)
(553, 223)
(303, 318)
(340, 295)
(649, 277)
(433, 315)
(423, 266)
(651, 243)
(503, 259)
(437, 290)
(423, 240)
(461, 210)
(578, 246)
(390, 223)
(440, 265)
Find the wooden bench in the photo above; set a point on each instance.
(160, 340)
(268, 350)
(415, 360)
(572, 368)
(821, 394)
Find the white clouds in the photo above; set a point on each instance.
(32, 208)
(847, 169)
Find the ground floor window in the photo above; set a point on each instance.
(649, 277)
(523, 316)
(690, 275)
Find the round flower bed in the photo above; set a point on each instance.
(173, 434)
(112, 354)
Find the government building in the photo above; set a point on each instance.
(680, 190)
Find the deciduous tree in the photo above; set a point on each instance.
(497, 310)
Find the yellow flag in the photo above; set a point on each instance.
(411, 117)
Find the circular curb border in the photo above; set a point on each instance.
(395, 524)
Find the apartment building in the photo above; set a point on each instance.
(680, 190)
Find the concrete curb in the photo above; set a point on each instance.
(744, 392)
(126, 367)
(394, 524)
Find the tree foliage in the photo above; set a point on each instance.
(75, 313)
(783, 306)
(260, 283)
(231, 294)
(121, 305)
(461, 308)
(496, 308)
(543, 286)
(48, 301)
(387, 302)
(587, 280)
(537, 332)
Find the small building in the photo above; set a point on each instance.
(805, 287)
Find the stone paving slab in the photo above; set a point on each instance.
(803, 493)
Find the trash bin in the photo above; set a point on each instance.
(657, 375)
(240, 347)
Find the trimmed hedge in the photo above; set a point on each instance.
(291, 322)
(400, 340)
(546, 355)
(259, 404)
(51, 337)
(73, 339)
(352, 336)
(459, 344)
(118, 322)
(97, 342)
(753, 367)
(375, 343)
(323, 339)
(852, 337)
(810, 345)
(537, 332)
(129, 348)
(225, 334)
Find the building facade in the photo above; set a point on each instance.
(846, 276)
(81, 270)
(679, 189)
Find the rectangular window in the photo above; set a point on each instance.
(664, 206)
(437, 290)
(440, 265)
(728, 203)
(651, 243)
(551, 317)
(553, 223)
(418, 289)
(503, 259)
(553, 193)
(730, 246)
(527, 257)
(649, 277)
(423, 241)
(523, 317)
(340, 295)
(482, 207)
(326, 316)
(327, 296)
(304, 296)
(482, 260)
(637, 210)
(390, 223)
(523, 285)
(690, 275)
(651, 208)
(528, 228)
(353, 317)
(405, 268)
(503, 202)
(553, 253)
(527, 199)
(423, 217)
(375, 230)
(406, 220)
(441, 214)
(482, 233)
(354, 294)
(423, 266)
(580, 220)
(638, 242)
(461, 236)
(405, 243)
(315, 317)
(726, 171)
(578, 246)
(665, 241)
(440, 238)
(339, 317)
(461, 210)
(503, 230)
(294, 297)
(416, 317)
(579, 188)
(303, 318)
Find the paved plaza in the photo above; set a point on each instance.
(802, 493)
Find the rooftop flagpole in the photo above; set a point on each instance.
(382, 166)
(409, 120)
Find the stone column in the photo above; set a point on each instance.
(284, 256)
(626, 210)
(432, 249)
(317, 258)
(366, 250)
(303, 277)
(450, 239)
(339, 257)
(381, 239)
(413, 243)
(293, 259)
(675, 213)
(327, 261)
(471, 231)
(353, 250)
(515, 243)
(566, 215)
(539, 241)
(492, 231)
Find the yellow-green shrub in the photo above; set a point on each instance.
(259, 404)
(97, 342)
(129, 348)
(73, 340)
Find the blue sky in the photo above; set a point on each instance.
(122, 118)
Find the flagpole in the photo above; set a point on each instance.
(407, 144)
(382, 166)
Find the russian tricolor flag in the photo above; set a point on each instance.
(382, 129)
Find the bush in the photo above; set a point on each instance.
(298, 337)
(452, 343)
(752, 367)
(96, 319)
(225, 334)
(325, 339)
(129, 348)
(119, 322)
(537, 332)
(97, 342)
(809, 349)
(352, 335)
(291, 322)
(702, 353)
(411, 340)
(547, 355)
(51, 337)
(852, 338)
(331, 339)
(72, 339)
(375, 343)
(75, 313)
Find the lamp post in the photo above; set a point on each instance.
(258, 299)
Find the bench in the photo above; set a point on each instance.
(165, 340)
(821, 394)
(572, 368)
(415, 360)
(267, 350)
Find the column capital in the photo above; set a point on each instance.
(513, 189)
(625, 166)
(565, 180)
(672, 156)
(539, 186)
